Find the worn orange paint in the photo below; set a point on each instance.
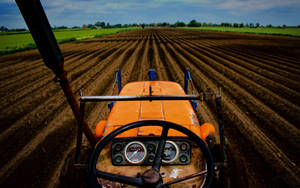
(207, 129)
(100, 128)
(179, 112)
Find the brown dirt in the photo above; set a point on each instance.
(259, 76)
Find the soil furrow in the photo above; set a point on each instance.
(264, 60)
(271, 146)
(47, 110)
(34, 73)
(260, 64)
(283, 131)
(47, 91)
(282, 106)
(284, 78)
(95, 88)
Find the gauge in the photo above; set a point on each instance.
(151, 148)
(183, 146)
(135, 152)
(170, 152)
(183, 158)
(151, 158)
(118, 159)
(117, 147)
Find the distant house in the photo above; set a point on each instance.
(84, 26)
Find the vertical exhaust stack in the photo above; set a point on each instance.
(37, 22)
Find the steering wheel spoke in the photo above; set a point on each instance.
(161, 145)
(119, 178)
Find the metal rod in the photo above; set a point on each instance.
(151, 74)
(223, 172)
(186, 80)
(79, 133)
(64, 83)
(139, 98)
(221, 128)
(119, 80)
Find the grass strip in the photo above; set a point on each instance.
(21, 41)
(288, 31)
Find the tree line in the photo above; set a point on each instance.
(192, 23)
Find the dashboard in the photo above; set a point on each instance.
(141, 151)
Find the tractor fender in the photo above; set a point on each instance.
(100, 128)
(206, 130)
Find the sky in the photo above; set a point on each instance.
(78, 12)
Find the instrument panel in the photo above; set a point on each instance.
(142, 151)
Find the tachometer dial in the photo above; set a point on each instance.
(135, 152)
(171, 152)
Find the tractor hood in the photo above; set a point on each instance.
(124, 112)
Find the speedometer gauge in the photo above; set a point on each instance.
(171, 152)
(135, 152)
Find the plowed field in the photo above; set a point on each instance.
(259, 76)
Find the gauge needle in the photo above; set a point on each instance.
(135, 152)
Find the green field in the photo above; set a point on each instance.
(19, 41)
(288, 31)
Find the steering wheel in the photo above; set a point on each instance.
(151, 177)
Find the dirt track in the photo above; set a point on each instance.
(259, 76)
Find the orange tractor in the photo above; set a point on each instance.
(151, 138)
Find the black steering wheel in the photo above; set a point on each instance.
(151, 177)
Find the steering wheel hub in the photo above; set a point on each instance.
(151, 176)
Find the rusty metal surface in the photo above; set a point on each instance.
(170, 172)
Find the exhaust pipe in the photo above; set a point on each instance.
(39, 27)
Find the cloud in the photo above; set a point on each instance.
(8, 1)
(70, 12)
(254, 5)
(185, 1)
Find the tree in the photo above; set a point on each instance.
(257, 24)
(194, 23)
(179, 24)
(61, 27)
(251, 24)
(269, 25)
(100, 24)
(164, 24)
(118, 26)
(241, 25)
(75, 27)
(91, 26)
(225, 24)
